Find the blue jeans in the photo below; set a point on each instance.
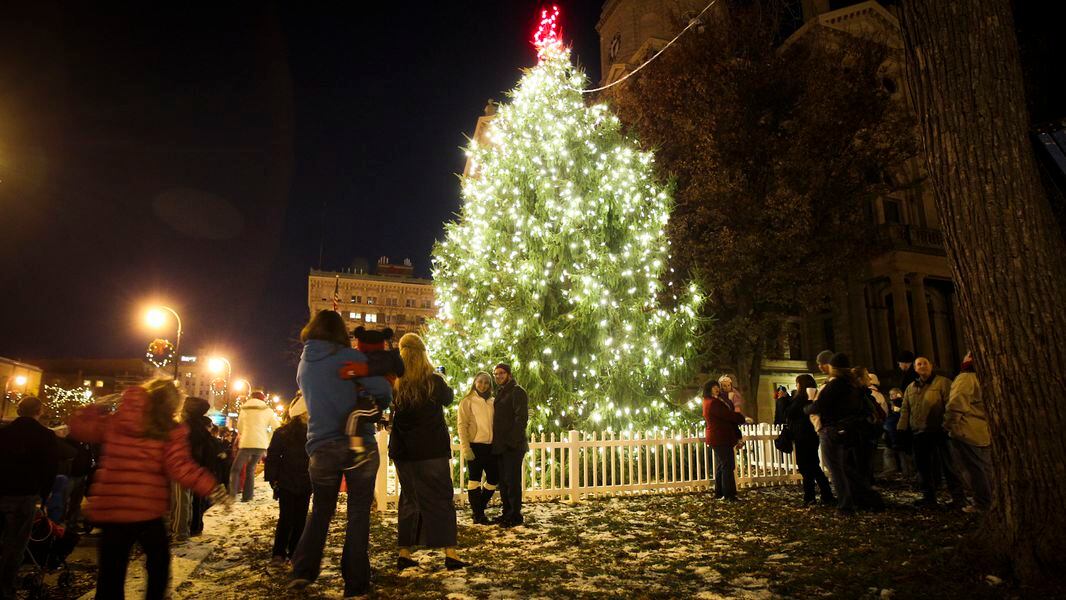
(16, 520)
(246, 458)
(511, 485)
(327, 466)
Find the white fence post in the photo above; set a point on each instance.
(572, 450)
(381, 482)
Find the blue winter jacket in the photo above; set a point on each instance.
(331, 399)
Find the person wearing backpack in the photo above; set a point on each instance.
(924, 404)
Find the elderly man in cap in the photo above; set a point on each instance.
(29, 458)
(509, 420)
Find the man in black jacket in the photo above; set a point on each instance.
(509, 420)
(28, 464)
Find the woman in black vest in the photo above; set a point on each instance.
(805, 439)
(421, 448)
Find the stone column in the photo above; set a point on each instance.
(922, 328)
(862, 353)
(901, 312)
(882, 338)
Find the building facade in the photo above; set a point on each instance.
(904, 298)
(18, 379)
(390, 297)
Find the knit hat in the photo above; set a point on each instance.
(906, 356)
(371, 340)
(840, 361)
(823, 357)
(504, 366)
(967, 362)
(195, 407)
(259, 395)
(297, 408)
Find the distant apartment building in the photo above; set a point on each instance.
(390, 297)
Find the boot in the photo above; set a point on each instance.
(486, 495)
(477, 510)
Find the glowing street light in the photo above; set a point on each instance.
(156, 318)
(216, 364)
(242, 385)
(20, 380)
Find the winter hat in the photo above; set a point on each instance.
(840, 361)
(371, 340)
(504, 366)
(906, 356)
(195, 407)
(967, 362)
(259, 395)
(823, 357)
(297, 408)
(874, 380)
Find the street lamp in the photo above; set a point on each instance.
(18, 381)
(156, 318)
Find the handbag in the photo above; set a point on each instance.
(783, 442)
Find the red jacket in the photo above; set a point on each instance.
(722, 422)
(132, 483)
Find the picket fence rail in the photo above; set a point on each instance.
(585, 465)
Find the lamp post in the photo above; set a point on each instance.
(155, 319)
(19, 381)
(216, 364)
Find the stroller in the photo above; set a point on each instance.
(49, 546)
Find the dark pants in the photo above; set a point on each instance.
(511, 484)
(116, 541)
(16, 521)
(933, 457)
(426, 514)
(976, 461)
(811, 468)
(292, 516)
(725, 465)
(329, 463)
(849, 467)
(77, 494)
(484, 463)
(196, 520)
(247, 459)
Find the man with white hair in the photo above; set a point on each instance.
(29, 458)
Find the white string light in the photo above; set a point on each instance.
(694, 21)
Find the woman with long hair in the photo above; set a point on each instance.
(805, 439)
(330, 400)
(474, 423)
(143, 449)
(722, 421)
(421, 449)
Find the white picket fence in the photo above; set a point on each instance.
(584, 465)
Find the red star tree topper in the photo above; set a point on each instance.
(549, 33)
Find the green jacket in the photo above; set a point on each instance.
(924, 404)
(965, 418)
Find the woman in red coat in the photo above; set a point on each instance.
(144, 449)
(723, 434)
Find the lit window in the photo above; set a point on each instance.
(371, 299)
(86, 382)
(371, 318)
(99, 383)
(355, 315)
(409, 303)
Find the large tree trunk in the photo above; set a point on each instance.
(1008, 259)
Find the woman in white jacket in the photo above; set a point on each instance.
(474, 423)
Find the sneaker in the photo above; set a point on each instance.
(360, 458)
(402, 562)
(298, 584)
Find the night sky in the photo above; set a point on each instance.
(204, 157)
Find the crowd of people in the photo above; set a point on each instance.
(150, 462)
(929, 429)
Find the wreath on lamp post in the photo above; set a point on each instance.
(160, 353)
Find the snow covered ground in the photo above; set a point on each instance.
(649, 546)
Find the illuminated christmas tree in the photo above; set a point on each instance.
(555, 264)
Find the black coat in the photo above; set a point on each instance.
(510, 418)
(418, 429)
(838, 400)
(29, 458)
(799, 423)
(781, 409)
(201, 444)
(286, 459)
